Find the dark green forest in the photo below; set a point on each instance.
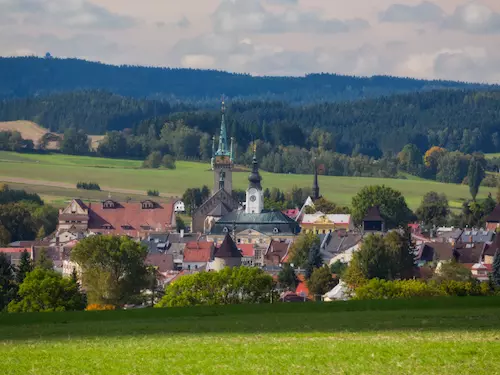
(32, 76)
(458, 120)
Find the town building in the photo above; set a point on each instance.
(133, 219)
(493, 219)
(320, 223)
(226, 255)
(14, 254)
(373, 221)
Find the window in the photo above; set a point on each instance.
(276, 230)
(225, 230)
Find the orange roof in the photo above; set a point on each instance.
(302, 287)
(199, 252)
(130, 218)
(247, 250)
(13, 250)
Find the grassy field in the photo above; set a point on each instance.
(445, 336)
(116, 174)
(30, 130)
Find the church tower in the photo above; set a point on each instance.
(255, 195)
(222, 159)
(315, 188)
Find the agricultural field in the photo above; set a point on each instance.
(33, 131)
(443, 336)
(126, 177)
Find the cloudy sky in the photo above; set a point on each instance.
(449, 39)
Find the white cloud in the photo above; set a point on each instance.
(421, 13)
(69, 13)
(474, 18)
(251, 16)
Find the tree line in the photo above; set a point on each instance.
(28, 76)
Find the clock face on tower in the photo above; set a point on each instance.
(253, 198)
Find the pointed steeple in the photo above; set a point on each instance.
(254, 178)
(315, 188)
(223, 149)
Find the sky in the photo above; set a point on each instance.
(445, 39)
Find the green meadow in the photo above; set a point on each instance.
(62, 172)
(444, 336)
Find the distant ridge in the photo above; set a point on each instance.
(28, 76)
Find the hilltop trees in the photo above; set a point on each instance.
(113, 268)
(391, 203)
(411, 160)
(75, 142)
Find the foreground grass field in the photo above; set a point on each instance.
(444, 336)
(119, 175)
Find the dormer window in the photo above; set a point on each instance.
(276, 230)
(148, 205)
(225, 230)
(127, 227)
(108, 204)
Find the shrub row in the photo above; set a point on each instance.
(88, 186)
(382, 289)
(153, 193)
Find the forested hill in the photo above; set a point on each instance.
(462, 120)
(28, 76)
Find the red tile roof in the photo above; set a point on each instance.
(292, 213)
(302, 288)
(13, 250)
(247, 250)
(276, 253)
(130, 218)
(198, 252)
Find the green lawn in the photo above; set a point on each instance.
(127, 174)
(446, 336)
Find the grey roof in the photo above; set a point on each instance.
(337, 242)
(265, 222)
(474, 236)
(220, 210)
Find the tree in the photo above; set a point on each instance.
(475, 175)
(321, 281)
(168, 162)
(287, 278)
(496, 269)
(431, 158)
(4, 236)
(112, 268)
(153, 161)
(338, 268)
(180, 224)
(44, 290)
(388, 258)
(328, 207)
(410, 159)
(44, 261)
(315, 260)
(391, 203)
(229, 286)
(300, 249)
(434, 209)
(7, 281)
(452, 271)
(157, 292)
(75, 142)
(25, 266)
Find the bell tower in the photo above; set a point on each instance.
(222, 158)
(255, 195)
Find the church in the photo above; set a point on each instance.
(221, 213)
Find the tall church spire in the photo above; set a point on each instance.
(315, 188)
(254, 178)
(223, 149)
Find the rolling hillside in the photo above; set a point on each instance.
(61, 172)
(30, 130)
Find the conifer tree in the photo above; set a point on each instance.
(7, 284)
(315, 259)
(496, 269)
(25, 266)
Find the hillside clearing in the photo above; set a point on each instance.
(33, 131)
(126, 176)
(452, 336)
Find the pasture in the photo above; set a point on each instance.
(126, 177)
(443, 336)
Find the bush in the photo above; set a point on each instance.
(88, 186)
(382, 289)
(99, 307)
(153, 193)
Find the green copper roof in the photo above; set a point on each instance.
(223, 149)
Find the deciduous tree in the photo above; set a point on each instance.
(321, 281)
(434, 209)
(299, 251)
(44, 290)
(112, 268)
(287, 278)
